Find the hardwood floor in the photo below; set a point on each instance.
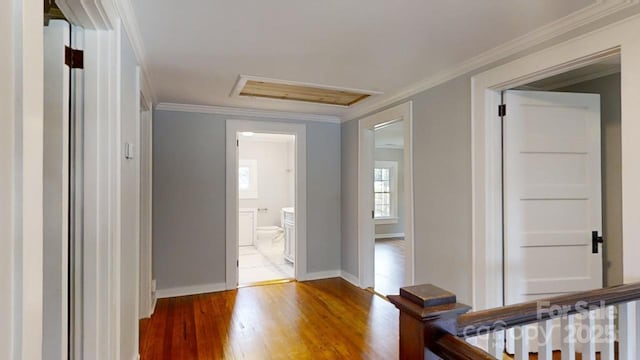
(389, 266)
(324, 319)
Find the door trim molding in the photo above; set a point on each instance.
(366, 226)
(486, 154)
(232, 205)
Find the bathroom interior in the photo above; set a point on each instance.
(266, 216)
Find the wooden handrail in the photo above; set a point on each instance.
(449, 346)
(433, 324)
(479, 322)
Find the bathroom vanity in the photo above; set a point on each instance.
(288, 220)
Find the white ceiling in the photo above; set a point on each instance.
(390, 137)
(196, 49)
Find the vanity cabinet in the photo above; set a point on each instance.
(289, 226)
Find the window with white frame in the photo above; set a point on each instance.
(248, 179)
(385, 191)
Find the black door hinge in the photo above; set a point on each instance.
(73, 58)
(502, 110)
(373, 214)
(237, 143)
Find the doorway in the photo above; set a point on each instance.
(562, 181)
(559, 148)
(266, 214)
(266, 202)
(385, 200)
(388, 189)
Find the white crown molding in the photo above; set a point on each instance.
(95, 15)
(561, 26)
(130, 23)
(223, 110)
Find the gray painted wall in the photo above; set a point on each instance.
(442, 188)
(349, 198)
(189, 191)
(609, 89)
(442, 177)
(397, 155)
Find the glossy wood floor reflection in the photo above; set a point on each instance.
(324, 319)
(389, 265)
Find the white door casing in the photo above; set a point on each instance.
(56, 189)
(552, 194)
(366, 227)
(232, 203)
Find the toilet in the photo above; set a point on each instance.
(269, 235)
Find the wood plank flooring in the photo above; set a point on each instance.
(389, 266)
(324, 319)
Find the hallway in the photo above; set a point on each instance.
(296, 320)
(389, 266)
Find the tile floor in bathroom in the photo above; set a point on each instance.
(263, 262)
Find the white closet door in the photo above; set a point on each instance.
(552, 193)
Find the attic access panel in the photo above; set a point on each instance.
(273, 89)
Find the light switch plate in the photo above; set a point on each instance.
(128, 151)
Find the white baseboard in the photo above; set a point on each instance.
(322, 275)
(387, 236)
(190, 290)
(154, 301)
(350, 278)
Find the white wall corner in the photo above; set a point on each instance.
(352, 279)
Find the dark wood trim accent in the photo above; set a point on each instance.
(433, 325)
(52, 12)
(449, 346)
(479, 322)
(422, 326)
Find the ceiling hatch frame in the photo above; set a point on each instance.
(248, 86)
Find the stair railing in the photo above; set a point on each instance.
(433, 325)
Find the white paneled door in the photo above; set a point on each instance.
(552, 194)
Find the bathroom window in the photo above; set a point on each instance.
(248, 179)
(385, 191)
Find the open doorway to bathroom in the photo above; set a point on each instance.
(266, 214)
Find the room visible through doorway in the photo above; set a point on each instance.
(388, 188)
(266, 212)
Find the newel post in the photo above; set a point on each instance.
(424, 308)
